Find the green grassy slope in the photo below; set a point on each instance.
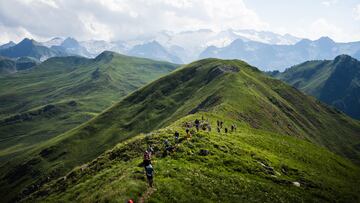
(247, 166)
(227, 88)
(74, 88)
(64, 92)
(335, 82)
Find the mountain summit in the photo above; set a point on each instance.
(335, 82)
(30, 48)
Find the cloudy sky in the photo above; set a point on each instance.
(124, 19)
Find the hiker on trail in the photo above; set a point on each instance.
(149, 170)
(209, 127)
(176, 134)
(218, 129)
(187, 130)
(150, 150)
(197, 123)
(166, 143)
(226, 130)
(168, 147)
(130, 201)
(204, 126)
(147, 158)
(233, 128)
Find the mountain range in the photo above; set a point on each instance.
(30, 48)
(279, 57)
(155, 51)
(335, 82)
(287, 147)
(266, 50)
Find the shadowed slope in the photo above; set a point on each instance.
(335, 82)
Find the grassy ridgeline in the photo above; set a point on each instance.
(245, 166)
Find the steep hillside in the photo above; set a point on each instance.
(62, 93)
(335, 82)
(230, 89)
(278, 57)
(8, 65)
(248, 165)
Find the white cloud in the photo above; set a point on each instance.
(94, 28)
(357, 12)
(126, 19)
(14, 34)
(322, 27)
(121, 19)
(50, 3)
(329, 2)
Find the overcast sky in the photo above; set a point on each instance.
(124, 19)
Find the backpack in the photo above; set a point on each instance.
(149, 170)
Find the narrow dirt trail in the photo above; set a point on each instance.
(147, 194)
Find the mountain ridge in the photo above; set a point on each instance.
(334, 82)
(30, 48)
(263, 49)
(258, 101)
(279, 57)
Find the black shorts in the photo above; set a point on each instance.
(149, 177)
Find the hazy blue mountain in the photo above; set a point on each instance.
(195, 41)
(335, 82)
(264, 36)
(56, 41)
(357, 55)
(272, 57)
(94, 47)
(30, 48)
(186, 45)
(7, 45)
(153, 50)
(72, 47)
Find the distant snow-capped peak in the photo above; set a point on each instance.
(56, 41)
